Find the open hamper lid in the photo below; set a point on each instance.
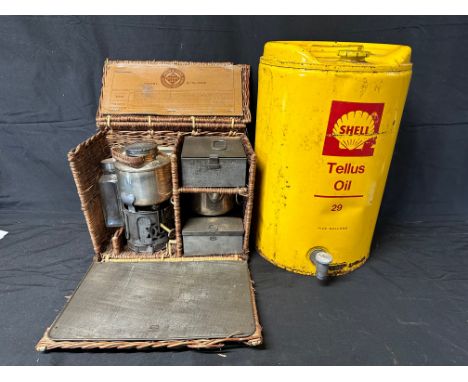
(173, 95)
(142, 305)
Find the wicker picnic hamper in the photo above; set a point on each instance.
(121, 128)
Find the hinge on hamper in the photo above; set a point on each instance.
(232, 132)
(194, 129)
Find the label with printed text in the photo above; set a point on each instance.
(352, 129)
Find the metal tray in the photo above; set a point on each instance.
(159, 301)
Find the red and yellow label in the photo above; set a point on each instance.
(352, 129)
(351, 136)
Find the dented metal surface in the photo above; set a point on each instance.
(159, 301)
(327, 120)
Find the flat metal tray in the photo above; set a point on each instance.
(159, 301)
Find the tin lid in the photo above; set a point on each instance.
(213, 226)
(337, 56)
(141, 149)
(204, 147)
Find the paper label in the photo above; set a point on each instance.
(170, 89)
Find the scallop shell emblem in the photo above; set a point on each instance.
(357, 119)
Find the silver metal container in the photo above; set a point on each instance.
(213, 162)
(213, 235)
(150, 182)
(110, 201)
(212, 203)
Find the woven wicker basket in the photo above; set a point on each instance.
(116, 130)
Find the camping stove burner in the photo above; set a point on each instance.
(143, 229)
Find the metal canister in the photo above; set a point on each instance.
(144, 174)
(212, 203)
(327, 120)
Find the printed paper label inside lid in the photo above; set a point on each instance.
(171, 89)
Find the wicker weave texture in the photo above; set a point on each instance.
(176, 123)
(109, 244)
(85, 165)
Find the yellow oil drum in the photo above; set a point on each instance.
(328, 115)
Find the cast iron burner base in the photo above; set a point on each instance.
(143, 229)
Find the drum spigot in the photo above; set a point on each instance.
(322, 261)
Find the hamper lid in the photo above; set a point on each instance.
(213, 226)
(337, 56)
(151, 94)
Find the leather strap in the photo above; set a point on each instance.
(120, 156)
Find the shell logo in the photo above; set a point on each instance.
(353, 129)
